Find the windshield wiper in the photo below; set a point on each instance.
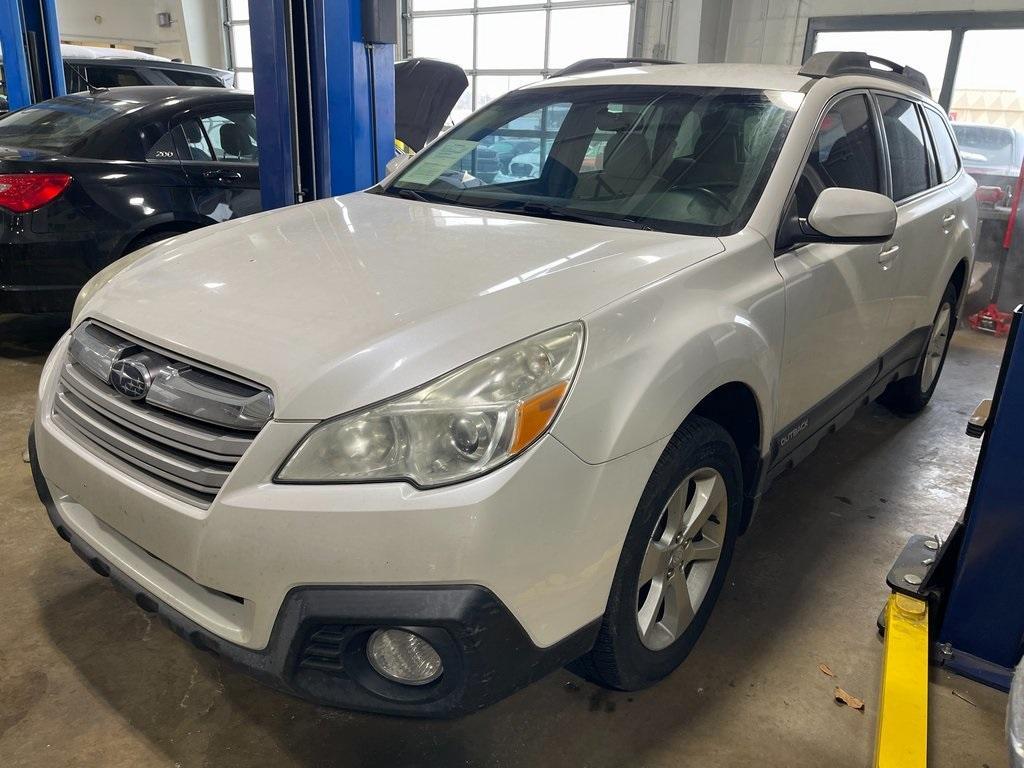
(544, 210)
(411, 194)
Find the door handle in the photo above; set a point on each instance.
(222, 175)
(949, 218)
(886, 255)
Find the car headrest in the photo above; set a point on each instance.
(613, 121)
(234, 141)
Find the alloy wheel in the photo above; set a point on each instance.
(681, 558)
(936, 349)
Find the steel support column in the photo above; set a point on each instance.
(325, 103)
(33, 67)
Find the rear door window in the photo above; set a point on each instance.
(192, 143)
(232, 136)
(908, 153)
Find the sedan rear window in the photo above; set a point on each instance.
(57, 124)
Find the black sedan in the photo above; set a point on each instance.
(87, 178)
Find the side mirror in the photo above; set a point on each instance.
(852, 216)
(397, 163)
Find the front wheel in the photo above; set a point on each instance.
(910, 395)
(673, 562)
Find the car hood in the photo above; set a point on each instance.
(340, 303)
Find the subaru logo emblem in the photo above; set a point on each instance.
(130, 378)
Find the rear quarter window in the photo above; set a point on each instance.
(192, 78)
(945, 150)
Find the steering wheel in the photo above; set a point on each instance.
(718, 197)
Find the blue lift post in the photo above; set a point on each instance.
(30, 41)
(982, 630)
(325, 95)
(974, 581)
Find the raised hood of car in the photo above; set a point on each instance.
(340, 303)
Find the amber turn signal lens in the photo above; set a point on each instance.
(535, 415)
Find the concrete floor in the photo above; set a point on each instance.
(86, 678)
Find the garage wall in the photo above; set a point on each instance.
(683, 30)
(772, 31)
(196, 34)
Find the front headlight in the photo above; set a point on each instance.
(460, 426)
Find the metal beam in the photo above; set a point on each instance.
(324, 99)
(30, 41)
(901, 738)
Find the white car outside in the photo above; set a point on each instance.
(407, 449)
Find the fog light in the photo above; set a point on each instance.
(403, 657)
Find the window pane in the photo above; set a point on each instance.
(112, 77)
(510, 40)
(439, 5)
(238, 10)
(617, 164)
(907, 155)
(196, 147)
(164, 148)
(607, 34)
(464, 106)
(241, 46)
(243, 81)
(192, 78)
(499, 3)
(448, 38)
(924, 50)
(233, 136)
(490, 87)
(844, 154)
(944, 149)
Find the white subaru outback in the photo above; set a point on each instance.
(408, 449)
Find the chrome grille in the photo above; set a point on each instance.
(182, 430)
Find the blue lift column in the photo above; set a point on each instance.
(974, 580)
(30, 42)
(325, 95)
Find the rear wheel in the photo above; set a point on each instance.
(673, 562)
(912, 394)
(143, 240)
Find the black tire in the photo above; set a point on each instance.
(143, 240)
(910, 395)
(620, 659)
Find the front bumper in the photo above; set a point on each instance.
(513, 568)
(317, 648)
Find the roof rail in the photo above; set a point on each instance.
(835, 63)
(596, 65)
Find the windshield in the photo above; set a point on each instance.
(56, 124)
(985, 146)
(677, 159)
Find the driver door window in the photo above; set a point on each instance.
(845, 153)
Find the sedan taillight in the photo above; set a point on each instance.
(25, 192)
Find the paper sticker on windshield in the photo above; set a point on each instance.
(441, 159)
